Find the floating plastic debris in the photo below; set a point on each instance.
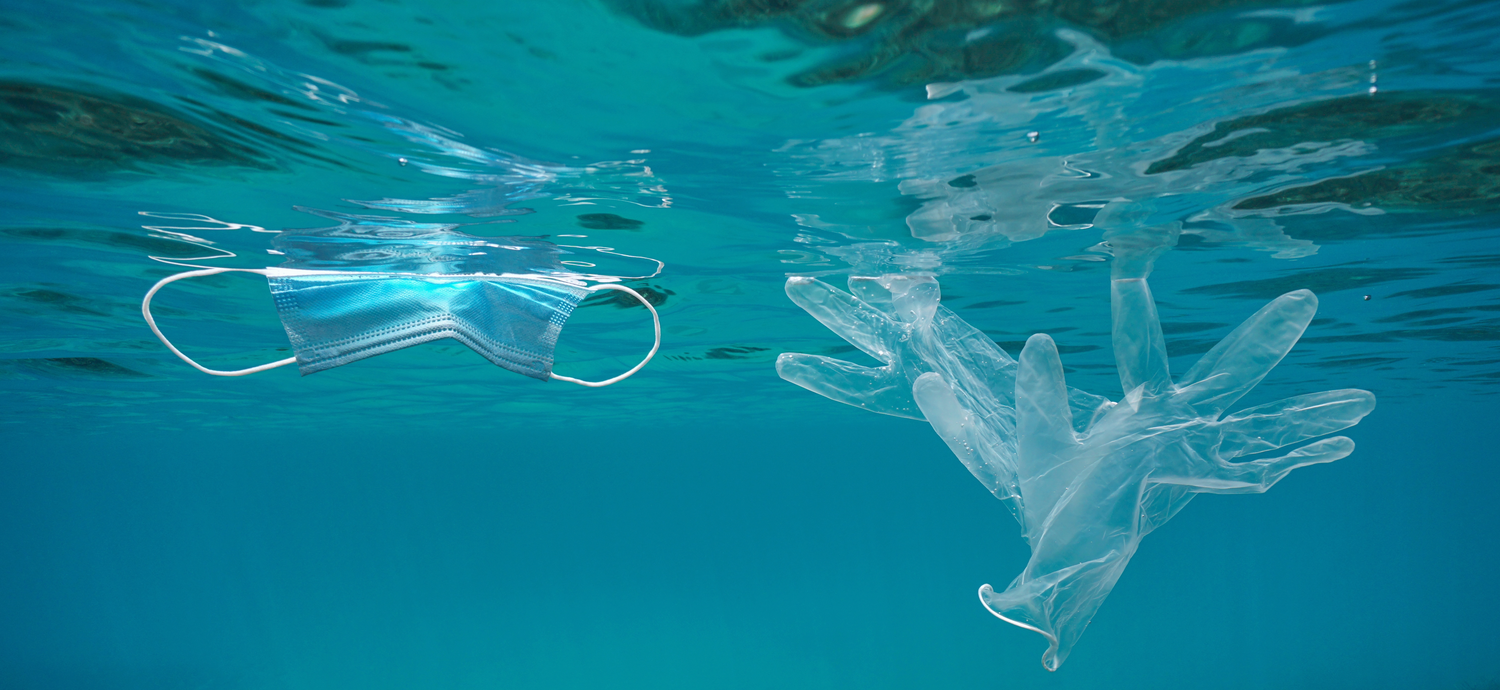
(1086, 477)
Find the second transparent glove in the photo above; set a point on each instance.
(1088, 480)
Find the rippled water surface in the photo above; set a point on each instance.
(426, 519)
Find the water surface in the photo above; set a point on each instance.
(425, 519)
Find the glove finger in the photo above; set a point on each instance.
(1257, 476)
(986, 457)
(860, 324)
(881, 390)
(871, 291)
(1140, 347)
(1245, 356)
(1044, 421)
(1293, 420)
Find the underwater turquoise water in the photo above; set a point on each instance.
(424, 519)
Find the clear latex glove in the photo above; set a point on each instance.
(1086, 478)
(1088, 497)
(897, 320)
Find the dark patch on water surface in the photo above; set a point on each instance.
(97, 239)
(1363, 116)
(1383, 116)
(1462, 179)
(1320, 281)
(56, 131)
(288, 142)
(1213, 32)
(1185, 327)
(1351, 362)
(734, 352)
(910, 42)
(1474, 323)
(1477, 261)
(1482, 332)
(1014, 347)
(1189, 242)
(1441, 312)
(362, 50)
(82, 366)
(1060, 79)
(235, 88)
(994, 303)
(1447, 290)
(657, 296)
(1184, 348)
(1457, 361)
(738, 352)
(963, 182)
(920, 53)
(27, 300)
(608, 221)
(1429, 323)
(304, 118)
(1054, 331)
(390, 53)
(535, 50)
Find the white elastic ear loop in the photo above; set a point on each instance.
(655, 321)
(146, 312)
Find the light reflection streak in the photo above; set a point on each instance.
(507, 178)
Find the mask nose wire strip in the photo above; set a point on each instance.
(655, 321)
(146, 312)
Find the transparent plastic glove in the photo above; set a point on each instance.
(897, 320)
(1086, 478)
(1088, 497)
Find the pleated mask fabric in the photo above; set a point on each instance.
(333, 319)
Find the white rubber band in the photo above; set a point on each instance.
(146, 312)
(655, 321)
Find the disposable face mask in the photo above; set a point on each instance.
(336, 317)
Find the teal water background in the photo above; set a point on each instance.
(425, 519)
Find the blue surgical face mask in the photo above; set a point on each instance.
(336, 317)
